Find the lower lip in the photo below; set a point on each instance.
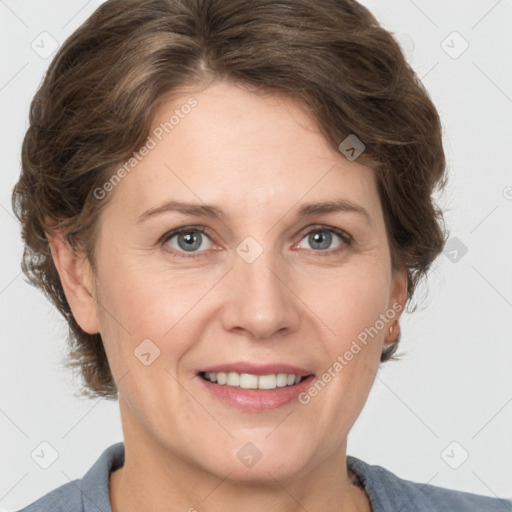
(257, 399)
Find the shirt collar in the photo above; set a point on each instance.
(95, 483)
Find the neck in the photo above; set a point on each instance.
(134, 489)
(157, 478)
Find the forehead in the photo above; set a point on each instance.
(245, 152)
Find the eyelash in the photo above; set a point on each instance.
(345, 237)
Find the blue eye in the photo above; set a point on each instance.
(192, 241)
(188, 240)
(321, 239)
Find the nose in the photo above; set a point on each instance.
(260, 299)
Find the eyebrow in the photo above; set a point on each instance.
(306, 210)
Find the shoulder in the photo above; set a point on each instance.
(388, 492)
(67, 498)
(87, 494)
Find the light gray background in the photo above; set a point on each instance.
(454, 382)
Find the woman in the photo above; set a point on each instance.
(231, 205)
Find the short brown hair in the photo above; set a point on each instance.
(97, 101)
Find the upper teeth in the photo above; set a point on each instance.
(249, 381)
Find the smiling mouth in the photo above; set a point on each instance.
(250, 381)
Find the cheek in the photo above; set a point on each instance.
(354, 311)
(136, 294)
(348, 301)
(143, 300)
(351, 353)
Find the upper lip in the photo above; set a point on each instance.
(256, 369)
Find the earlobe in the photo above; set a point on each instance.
(77, 281)
(397, 303)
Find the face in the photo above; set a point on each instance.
(259, 284)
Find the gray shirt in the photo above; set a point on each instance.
(387, 492)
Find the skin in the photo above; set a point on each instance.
(258, 158)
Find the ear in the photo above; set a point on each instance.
(77, 280)
(396, 303)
